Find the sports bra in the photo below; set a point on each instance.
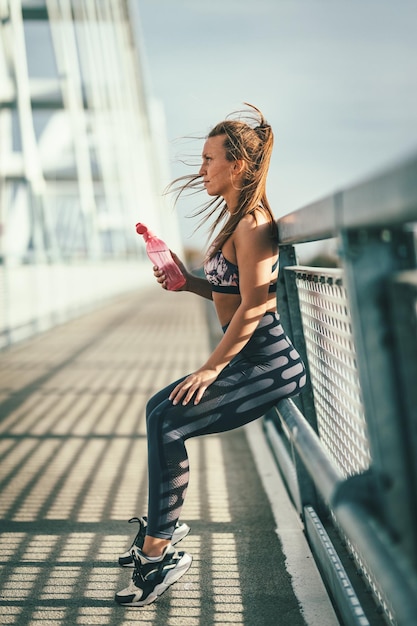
(223, 275)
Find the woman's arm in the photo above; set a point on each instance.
(254, 258)
(199, 286)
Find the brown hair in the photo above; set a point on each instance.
(252, 141)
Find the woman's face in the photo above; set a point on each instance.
(216, 170)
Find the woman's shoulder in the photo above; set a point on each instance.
(257, 220)
(255, 234)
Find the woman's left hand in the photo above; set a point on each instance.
(193, 386)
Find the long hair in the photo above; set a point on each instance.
(250, 140)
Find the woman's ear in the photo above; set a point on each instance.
(238, 167)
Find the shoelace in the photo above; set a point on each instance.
(140, 536)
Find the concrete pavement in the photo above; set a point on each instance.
(73, 471)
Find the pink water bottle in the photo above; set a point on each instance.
(158, 252)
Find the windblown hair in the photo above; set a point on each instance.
(252, 141)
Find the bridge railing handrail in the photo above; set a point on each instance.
(386, 199)
(369, 305)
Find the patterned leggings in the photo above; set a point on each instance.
(266, 370)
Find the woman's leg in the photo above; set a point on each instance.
(266, 371)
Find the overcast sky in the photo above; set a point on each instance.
(337, 79)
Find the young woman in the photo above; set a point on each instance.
(252, 367)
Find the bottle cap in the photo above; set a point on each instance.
(141, 228)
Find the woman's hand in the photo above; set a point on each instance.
(193, 386)
(161, 278)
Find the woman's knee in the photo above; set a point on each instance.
(155, 400)
(160, 397)
(154, 415)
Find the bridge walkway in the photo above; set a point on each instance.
(73, 471)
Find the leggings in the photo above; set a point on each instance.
(267, 369)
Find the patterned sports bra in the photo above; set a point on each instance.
(223, 275)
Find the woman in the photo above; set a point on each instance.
(252, 367)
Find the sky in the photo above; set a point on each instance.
(336, 79)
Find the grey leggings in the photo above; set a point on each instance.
(266, 370)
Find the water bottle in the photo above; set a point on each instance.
(158, 252)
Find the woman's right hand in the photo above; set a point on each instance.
(161, 278)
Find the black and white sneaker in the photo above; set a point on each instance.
(151, 578)
(126, 559)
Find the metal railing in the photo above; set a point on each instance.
(347, 446)
(82, 159)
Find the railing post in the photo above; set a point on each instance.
(403, 297)
(290, 314)
(370, 257)
(289, 310)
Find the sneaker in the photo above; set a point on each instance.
(126, 559)
(151, 578)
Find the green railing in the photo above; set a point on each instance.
(347, 447)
